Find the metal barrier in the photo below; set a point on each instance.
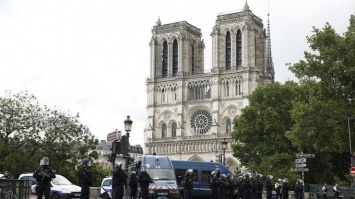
(22, 188)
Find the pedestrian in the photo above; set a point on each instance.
(247, 186)
(119, 181)
(268, 186)
(44, 175)
(214, 185)
(188, 184)
(324, 191)
(144, 179)
(278, 186)
(258, 187)
(85, 179)
(223, 182)
(133, 185)
(240, 187)
(285, 188)
(336, 191)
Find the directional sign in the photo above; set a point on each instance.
(300, 165)
(300, 161)
(300, 169)
(303, 155)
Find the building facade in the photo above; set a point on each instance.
(191, 112)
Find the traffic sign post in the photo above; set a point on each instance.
(301, 160)
(303, 155)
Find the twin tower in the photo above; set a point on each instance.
(190, 112)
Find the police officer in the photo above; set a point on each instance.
(133, 186)
(230, 186)
(258, 186)
(336, 191)
(268, 187)
(44, 175)
(85, 178)
(223, 188)
(214, 185)
(285, 188)
(247, 186)
(144, 180)
(278, 186)
(299, 189)
(188, 184)
(240, 187)
(119, 180)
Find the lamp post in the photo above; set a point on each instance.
(224, 147)
(127, 126)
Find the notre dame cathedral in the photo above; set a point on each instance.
(190, 111)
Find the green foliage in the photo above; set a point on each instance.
(311, 116)
(30, 131)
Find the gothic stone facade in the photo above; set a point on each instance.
(191, 112)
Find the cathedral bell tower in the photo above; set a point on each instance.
(190, 112)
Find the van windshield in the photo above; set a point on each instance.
(157, 163)
(161, 174)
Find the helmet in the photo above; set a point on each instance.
(269, 177)
(258, 176)
(44, 162)
(118, 165)
(132, 174)
(86, 162)
(285, 180)
(188, 172)
(144, 168)
(247, 175)
(278, 180)
(299, 181)
(223, 176)
(229, 175)
(214, 173)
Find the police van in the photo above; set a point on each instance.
(200, 175)
(161, 170)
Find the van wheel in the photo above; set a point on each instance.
(55, 196)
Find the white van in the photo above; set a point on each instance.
(60, 186)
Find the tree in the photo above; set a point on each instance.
(30, 131)
(261, 130)
(328, 76)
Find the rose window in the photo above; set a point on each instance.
(201, 122)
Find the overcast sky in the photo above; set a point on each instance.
(92, 56)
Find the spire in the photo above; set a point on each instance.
(270, 63)
(246, 6)
(158, 22)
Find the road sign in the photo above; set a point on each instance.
(352, 171)
(303, 155)
(300, 169)
(300, 161)
(300, 165)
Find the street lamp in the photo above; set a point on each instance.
(224, 147)
(127, 126)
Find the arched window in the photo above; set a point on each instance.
(163, 131)
(165, 59)
(239, 48)
(228, 126)
(228, 51)
(175, 57)
(173, 130)
(192, 59)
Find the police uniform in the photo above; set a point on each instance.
(144, 180)
(214, 185)
(268, 187)
(188, 185)
(119, 181)
(85, 179)
(133, 186)
(44, 175)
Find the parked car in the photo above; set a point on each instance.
(61, 187)
(106, 188)
(29, 176)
